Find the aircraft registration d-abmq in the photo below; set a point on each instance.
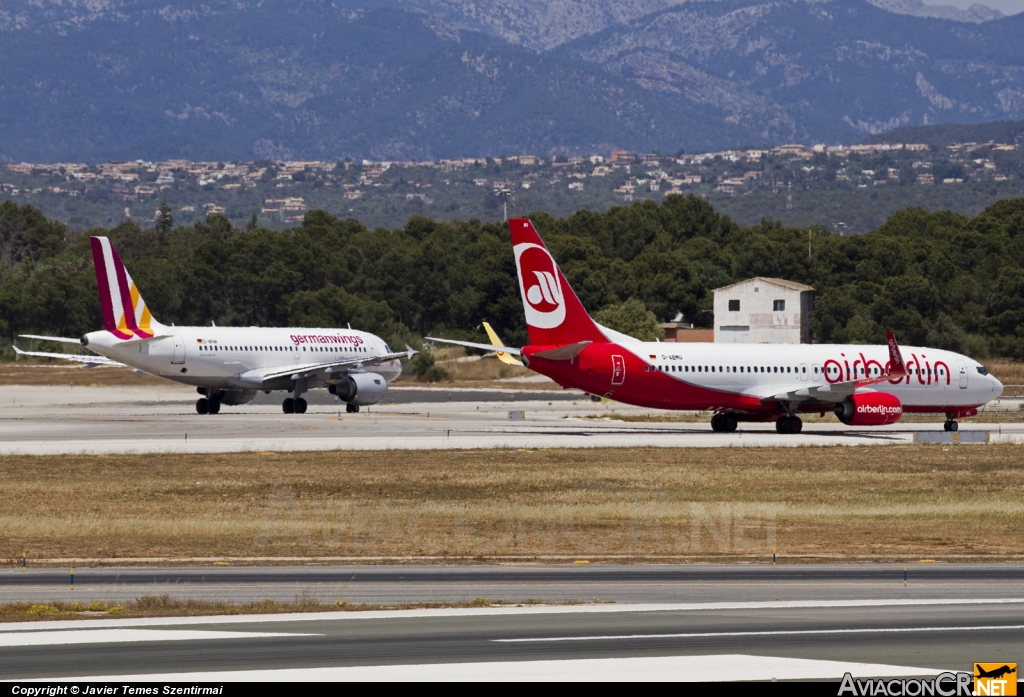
(229, 365)
(862, 385)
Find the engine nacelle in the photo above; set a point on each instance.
(360, 388)
(869, 409)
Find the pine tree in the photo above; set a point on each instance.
(252, 224)
(164, 220)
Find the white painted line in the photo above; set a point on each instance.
(779, 632)
(719, 668)
(117, 636)
(493, 612)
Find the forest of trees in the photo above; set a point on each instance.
(938, 279)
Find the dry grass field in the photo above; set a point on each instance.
(880, 502)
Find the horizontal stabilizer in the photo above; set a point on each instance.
(87, 361)
(59, 339)
(564, 353)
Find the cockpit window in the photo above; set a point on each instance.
(981, 369)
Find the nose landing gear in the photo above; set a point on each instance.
(951, 424)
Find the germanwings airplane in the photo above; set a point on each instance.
(229, 365)
(862, 385)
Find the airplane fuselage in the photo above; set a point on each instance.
(744, 377)
(220, 357)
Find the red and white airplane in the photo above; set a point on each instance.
(229, 365)
(862, 385)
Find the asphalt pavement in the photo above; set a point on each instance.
(783, 641)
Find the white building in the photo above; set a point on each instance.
(763, 311)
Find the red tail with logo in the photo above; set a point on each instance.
(554, 315)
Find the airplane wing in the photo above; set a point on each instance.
(484, 347)
(87, 361)
(59, 339)
(837, 391)
(328, 367)
(502, 356)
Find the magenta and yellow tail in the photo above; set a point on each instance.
(125, 314)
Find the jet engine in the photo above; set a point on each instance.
(360, 388)
(869, 409)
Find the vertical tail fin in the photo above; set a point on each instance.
(554, 315)
(125, 314)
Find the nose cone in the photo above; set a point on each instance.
(997, 387)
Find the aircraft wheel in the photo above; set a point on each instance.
(288, 405)
(214, 406)
(945, 426)
(716, 423)
(300, 406)
(796, 424)
(203, 406)
(729, 423)
(782, 425)
(952, 426)
(352, 408)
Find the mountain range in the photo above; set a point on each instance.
(425, 79)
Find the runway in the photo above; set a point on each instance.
(404, 584)
(774, 640)
(60, 420)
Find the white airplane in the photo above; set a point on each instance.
(229, 365)
(862, 385)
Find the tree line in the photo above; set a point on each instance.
(938, 279)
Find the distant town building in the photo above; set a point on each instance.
(763, 311)
(686, 333)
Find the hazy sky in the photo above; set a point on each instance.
(1009, 7)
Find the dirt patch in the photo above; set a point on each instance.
(878, 502)
(165, 606)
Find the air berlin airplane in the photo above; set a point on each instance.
(862, 385)
(229, 365)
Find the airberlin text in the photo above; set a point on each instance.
(920, 369)
(943, 685)
(327, 339)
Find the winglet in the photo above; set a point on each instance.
(897, 368)
(410, 352)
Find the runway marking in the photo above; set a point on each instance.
(714, 668)
(491, 612)
(118, 636)
(779, 632)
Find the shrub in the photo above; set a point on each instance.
(40, 610)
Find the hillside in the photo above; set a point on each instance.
(126, 79)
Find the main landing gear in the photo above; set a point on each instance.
(789, 424)
(352, 408)
(210, 404)
(951, 424)
(724, 423)
(295, 405)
